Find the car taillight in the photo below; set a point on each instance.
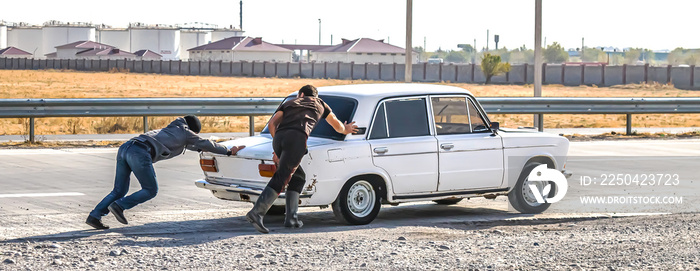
(208, 164)
(267, 170)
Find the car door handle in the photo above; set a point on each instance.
(447, 146)
(381, 150)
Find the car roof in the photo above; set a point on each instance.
(363, 91)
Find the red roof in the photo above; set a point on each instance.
(85, 44)
(241, 44)
(364, 45)
(104, 52)
(147, 54)
(13, 51)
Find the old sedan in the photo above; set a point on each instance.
(416, 142)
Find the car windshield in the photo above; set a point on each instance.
(344, 109)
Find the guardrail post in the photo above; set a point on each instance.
(251, 125)
(145, 124)
(31, 130)
(629, 124)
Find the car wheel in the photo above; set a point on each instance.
(276, 210)
(358, 203)
(447, 201)
(521, 196)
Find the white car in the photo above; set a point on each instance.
(416, 142)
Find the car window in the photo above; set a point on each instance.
(379, 124)
(407, 117)
(478, 123)
(451, 116)
(343, 108)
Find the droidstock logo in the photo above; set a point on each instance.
(547, 176)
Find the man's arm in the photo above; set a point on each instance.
(274, 121)
(196, 143)
(343, 128)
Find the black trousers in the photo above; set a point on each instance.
(290, 147)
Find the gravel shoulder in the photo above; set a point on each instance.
(661, 242)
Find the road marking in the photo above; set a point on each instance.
(12, 152)
(36, 195)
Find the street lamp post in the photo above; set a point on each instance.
(538, 60)
(409, 43)
(319, 31)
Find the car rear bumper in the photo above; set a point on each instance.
(247, 193)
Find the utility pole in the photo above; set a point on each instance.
(538, 60)
(409, 43)
(241, 10)
(581, 49)
(319, 31)
(487, 40)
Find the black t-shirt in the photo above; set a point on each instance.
(302, 114)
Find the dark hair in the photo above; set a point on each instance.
(193, 123)
(309, 91)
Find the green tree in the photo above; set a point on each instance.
(632, 56)
(555, 53)
(456, 57)
(594, 55)
(491, 65)
(467, 48)
(649, 56)
(676, 56)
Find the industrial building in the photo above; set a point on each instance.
(362, 50)
(169, 41)
(240, 49)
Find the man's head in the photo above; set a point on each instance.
(193, 123)
(308, 91)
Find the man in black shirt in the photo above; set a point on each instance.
(290, 127)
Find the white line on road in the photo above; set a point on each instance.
(35, 195)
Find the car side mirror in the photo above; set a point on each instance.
(494, 127)
(360, 131)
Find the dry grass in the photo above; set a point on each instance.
(71, 84)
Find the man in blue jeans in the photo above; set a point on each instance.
(138, 155)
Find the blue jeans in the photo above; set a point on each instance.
(132, 157)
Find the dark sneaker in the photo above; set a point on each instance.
(118, 212)
(96, 223)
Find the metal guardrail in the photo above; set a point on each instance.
(144, 107)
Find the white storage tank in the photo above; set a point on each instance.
(117, 37)
(28, 38)
(3, 36)
(192, 38)
(162, 40)
(57, 33)
(219, 34)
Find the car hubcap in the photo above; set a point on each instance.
(361, 198)
(527, 192)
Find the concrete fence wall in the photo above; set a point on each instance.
(569, 75)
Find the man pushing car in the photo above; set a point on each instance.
(290, 127)
(138, 155)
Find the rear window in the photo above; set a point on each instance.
(344, 109)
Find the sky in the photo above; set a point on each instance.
(440, 24)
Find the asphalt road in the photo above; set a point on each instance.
(47, 193)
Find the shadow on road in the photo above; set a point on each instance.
(193, 232)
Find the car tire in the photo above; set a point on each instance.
(358, 202)
(447, 201)
(520, 196)
(276, 210)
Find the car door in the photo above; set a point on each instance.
(470, 156)
(402, 144)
